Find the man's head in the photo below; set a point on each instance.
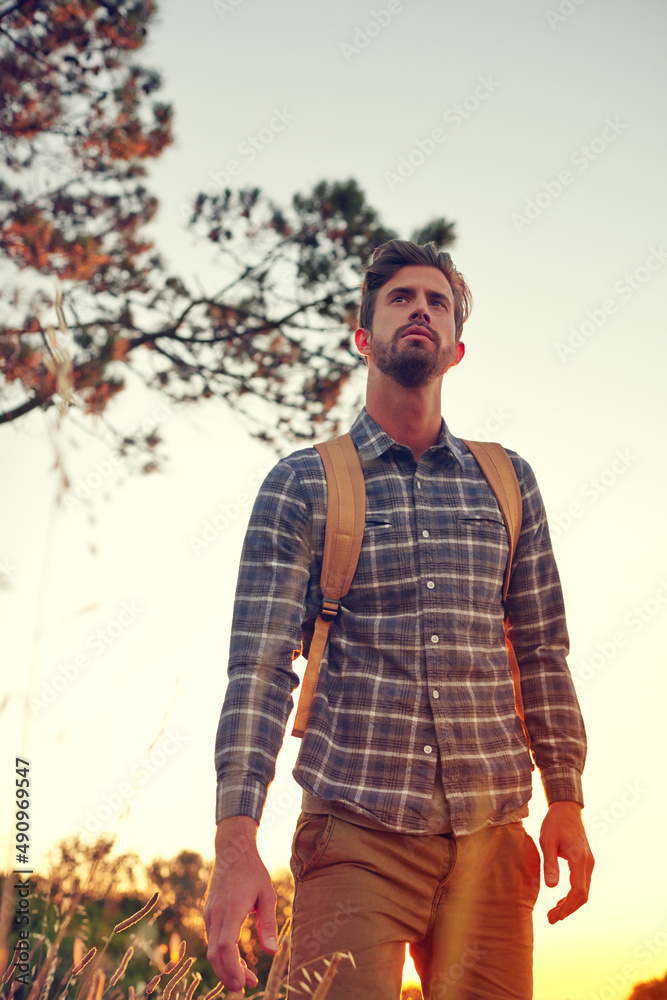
(391, 257)
(412, 314)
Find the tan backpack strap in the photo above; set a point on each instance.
(317, 647)
(346, 515)
(497, 466)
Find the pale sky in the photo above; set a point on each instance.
(538, 128)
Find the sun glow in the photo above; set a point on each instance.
(410, 977)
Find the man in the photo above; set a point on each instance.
(414, 765)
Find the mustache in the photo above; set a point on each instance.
(401, 330)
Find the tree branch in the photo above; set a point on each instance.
(26, 407)
(11, 10)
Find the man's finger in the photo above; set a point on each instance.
(551, 874)
(581, 870)
(235, 973)
(564, 907)
(230, 968)
(222, 928)
(551, 869)
(266, 920)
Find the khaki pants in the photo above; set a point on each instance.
(464, 905)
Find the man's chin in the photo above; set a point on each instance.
(411, 363)
(413, 375)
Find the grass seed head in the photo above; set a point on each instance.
(170, 966)
(120, 971)
(169, 989)
(88, 957)
(136, 917)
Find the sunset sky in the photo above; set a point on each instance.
(538, 129)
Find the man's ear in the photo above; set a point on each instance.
(362, 339)
(458, 355)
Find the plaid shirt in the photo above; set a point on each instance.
(416, 664)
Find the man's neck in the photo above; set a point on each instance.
(411, 416)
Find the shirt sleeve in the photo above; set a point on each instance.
(540, 640)
(266, 628)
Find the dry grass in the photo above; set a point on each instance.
(95, 975)
(315, 984)
(86, 979)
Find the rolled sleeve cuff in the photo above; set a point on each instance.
(240, 796)
(562, 784)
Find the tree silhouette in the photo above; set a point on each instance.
(273, 341)
(652, 989)
(76, 865)
(76, 131)
(182, 883)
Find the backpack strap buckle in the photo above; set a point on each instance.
(330, 609)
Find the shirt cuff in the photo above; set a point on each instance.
(562, 783)
(240, 796)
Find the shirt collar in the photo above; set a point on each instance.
(371, 441)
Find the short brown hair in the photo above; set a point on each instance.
(391, 257)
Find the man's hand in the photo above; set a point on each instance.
(239, 885)
(563, 836)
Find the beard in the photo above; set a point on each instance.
(412, 363)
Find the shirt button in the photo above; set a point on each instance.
(428, 749)
(425, 533)
(430, 585)
(436, 693)
(419, 485)
(434, 638)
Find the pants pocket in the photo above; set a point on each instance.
(311, 838)
(532, 869)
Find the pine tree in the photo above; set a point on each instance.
(79, 121)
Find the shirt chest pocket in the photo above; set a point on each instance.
(482, 547)
(378, 587)
(377, 523)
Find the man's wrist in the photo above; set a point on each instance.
(565, 804)
(235, 831)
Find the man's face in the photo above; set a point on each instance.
(413, 339)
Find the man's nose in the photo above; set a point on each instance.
(421, 312)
